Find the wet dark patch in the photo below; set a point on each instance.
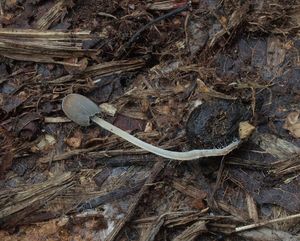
(215, 123)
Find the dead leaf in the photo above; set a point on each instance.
(149, 127)
(81, 65)
(25, 120)
(129, 124)
(292, 124)
(76, 140)
(245, 129)
(10, 102)
(108, 109)
(46, 143)
(198, 204)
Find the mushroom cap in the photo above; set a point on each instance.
(79, 109)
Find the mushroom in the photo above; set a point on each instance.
(83, 111)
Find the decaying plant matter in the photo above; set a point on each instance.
(175, 74)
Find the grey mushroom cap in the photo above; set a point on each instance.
(79, 109)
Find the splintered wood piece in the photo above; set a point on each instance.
(45, 46)
(21, 202)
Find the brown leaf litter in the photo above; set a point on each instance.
(151, 66)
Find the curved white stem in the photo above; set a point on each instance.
(184, 156)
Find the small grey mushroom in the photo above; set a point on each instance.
(82, 111)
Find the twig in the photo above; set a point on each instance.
(167, 15)
(276, 220)
(58, 119)
(106, 15)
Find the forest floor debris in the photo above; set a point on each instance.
(149, 65)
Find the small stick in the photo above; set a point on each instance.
(167, 15)
(263, 223)
(142, 29)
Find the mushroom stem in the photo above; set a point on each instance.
(183, 156)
